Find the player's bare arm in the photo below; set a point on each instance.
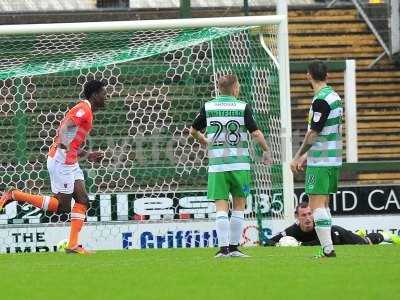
(298, 160)
(259, 137)
(93, 156)
(198, 136)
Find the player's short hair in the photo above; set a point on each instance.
(91, 87)
(226, 82)
(300, 205)
(318, 70)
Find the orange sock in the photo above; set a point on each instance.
(44, 202)
(78, 215)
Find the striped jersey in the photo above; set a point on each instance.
(227, 121)
(325, 116)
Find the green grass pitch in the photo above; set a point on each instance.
(359, 272)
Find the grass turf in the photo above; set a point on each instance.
(359, 272)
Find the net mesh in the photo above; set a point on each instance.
(156, 82)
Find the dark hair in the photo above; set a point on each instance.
(318, 70)
(91, 87)
(300, 205)
(226, 82)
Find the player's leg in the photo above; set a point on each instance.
(377, 237)
(341, 236)
(47, 203)
(236, 226)
(318, 190)
(240, 188)
(323, 223)
(390, 238)
(78, 213)
(65, 184)
(218, 190)
(222, 227)
(333, 175)
(328, 210)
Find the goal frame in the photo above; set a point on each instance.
(283, 66)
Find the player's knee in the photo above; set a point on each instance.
(64, 206)
(84, 200)
(239, 204)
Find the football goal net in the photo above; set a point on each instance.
(150, 189)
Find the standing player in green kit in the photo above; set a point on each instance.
(227, 121)
(322, 147)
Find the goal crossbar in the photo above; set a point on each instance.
(140, 25)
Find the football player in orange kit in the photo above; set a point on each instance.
(67, 180)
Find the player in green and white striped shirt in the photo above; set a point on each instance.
(322, 147)
(227, 121)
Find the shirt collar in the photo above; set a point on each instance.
(88, 103)
(229, 97)
(322, 90)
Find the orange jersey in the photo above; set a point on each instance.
(68, 141)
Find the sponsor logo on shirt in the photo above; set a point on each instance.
(225, 104)
(316, 116)
(80, 113)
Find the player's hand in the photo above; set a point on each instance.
(303, 161)
(203, 141)
(267, 157)
(95, 156)
(297, 165)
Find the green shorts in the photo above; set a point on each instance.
(322, 180)
(220, 184)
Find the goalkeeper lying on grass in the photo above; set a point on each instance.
(304, 232)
